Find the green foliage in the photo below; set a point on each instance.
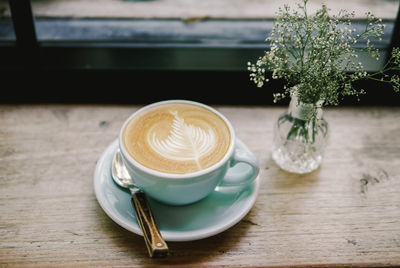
(316, 53)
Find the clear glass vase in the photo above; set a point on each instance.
(300, 137)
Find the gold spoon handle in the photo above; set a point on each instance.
(155, 243)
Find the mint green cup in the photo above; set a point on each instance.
(183, 189)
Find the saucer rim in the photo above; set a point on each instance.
(168, 235)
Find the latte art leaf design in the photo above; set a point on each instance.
(185, 142)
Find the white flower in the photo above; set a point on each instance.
(316, 51)
(274, 74)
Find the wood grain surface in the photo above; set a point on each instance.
(346, 213)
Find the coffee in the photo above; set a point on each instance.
(176, 137)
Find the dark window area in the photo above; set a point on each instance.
(56, 55)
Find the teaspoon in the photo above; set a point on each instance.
(156, 245)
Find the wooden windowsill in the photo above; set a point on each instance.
(345, 213)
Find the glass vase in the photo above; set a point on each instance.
(300, 137)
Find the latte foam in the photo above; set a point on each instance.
(176, 137)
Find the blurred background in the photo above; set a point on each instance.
(186, 9)
(121, 51)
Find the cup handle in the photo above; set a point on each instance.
(242, 154)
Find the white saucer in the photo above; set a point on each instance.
(219, 211)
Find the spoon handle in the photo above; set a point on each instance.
(155, 243)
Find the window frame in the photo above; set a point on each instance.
(220, 62)
(228, 51)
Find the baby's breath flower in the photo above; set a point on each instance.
(316, 54)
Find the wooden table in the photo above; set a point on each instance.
(345, 213)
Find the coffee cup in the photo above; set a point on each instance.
(179, 151)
